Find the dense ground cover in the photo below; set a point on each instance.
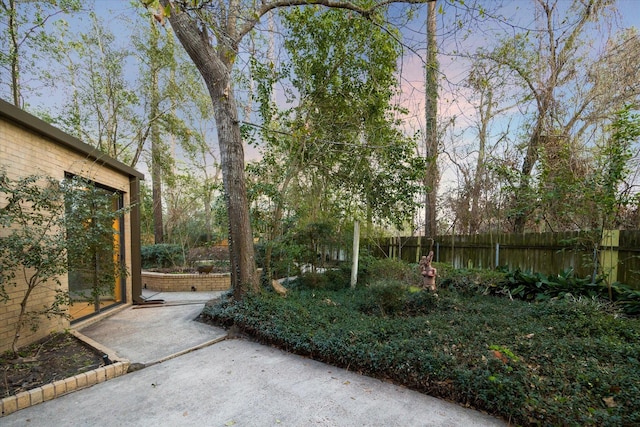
(559, 361)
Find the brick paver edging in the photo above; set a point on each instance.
(50, 391)
(58, 388)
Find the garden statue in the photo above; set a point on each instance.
(428, 272)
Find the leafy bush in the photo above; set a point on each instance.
(470, 280)
(530, 286)
(162, 256)
(419, 302)
(384, 298)
(339, 278)
(366, 263)
(626, 298)
(536, 286)
(392, 269)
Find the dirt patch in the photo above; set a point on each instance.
(54, 358)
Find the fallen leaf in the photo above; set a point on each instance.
(346, 383)
(500, 356)
(610, 402)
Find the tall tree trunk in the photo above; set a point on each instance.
(522, 205)
(356, 254)
(432, 175)
(215, 66)
(486, 113)
(14, 58)
(156, 144)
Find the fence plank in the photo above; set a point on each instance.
(548, 253)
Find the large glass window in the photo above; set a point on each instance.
(94, 221)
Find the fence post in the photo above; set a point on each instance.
(497, 255)
(609, 254)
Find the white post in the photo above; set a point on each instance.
(356, 253)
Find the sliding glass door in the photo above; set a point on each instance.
(96, 258)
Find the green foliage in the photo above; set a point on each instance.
(163, 255)
(385, 298)
(530, 286)
(614, 166)
(49, 229)
(559, 362)
(311, 280)
(25, 38)
(537, 286)
(33, 247)
(393, 269)
(469, 280)
(372, 272)
(626, 298)
(339, 151)
(339, 278)
(309, 238)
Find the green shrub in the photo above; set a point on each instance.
(470, 280)
(162, 256)
(626, 298)
(391, 269)
(366, 263)
(311, 280)
(339, 278)
(420, 303)
(384, 298)
(536, 286)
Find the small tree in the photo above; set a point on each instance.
(35, 246)
(34, 243)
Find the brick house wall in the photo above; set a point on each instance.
(29, 146)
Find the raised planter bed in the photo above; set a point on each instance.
(115, 368)
(163, 282)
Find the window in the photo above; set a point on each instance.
(94, 223)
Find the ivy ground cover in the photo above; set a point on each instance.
(558, 362)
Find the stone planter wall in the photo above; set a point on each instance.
(161, 282)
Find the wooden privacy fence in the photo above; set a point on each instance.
(548, 253)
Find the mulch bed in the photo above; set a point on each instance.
(54, 358)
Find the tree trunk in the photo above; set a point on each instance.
(486, 114)
(523, 205)
(14, 58)
(432, 176)
(215, 66)
(156, 144)
(356, 254)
